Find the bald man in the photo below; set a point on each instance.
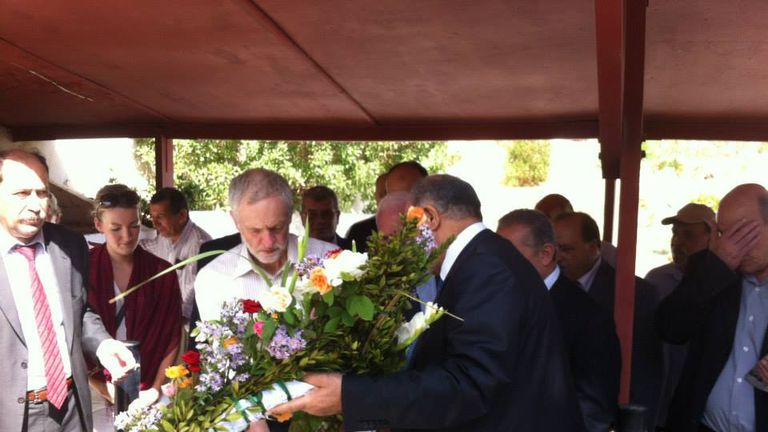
(721, 309)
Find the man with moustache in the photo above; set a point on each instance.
(46, 327)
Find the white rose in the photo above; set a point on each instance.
(346, 265)
(277, 299)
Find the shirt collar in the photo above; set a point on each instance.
(550, 280)
(8, 242)
(459, 243)
(243, 265)
(588, 277)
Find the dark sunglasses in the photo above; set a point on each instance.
(112, 200)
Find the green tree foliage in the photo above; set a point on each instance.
(203, 168)
(527, 162)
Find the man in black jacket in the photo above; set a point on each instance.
(590, 335)
(720, 309)
(501, 369)
(578, 241)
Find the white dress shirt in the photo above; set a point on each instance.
(187, 246)
(458, 245)
(16, 267)
(550, 280)
(230, 276)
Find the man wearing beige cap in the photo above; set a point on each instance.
(690, 234)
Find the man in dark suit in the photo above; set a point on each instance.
(360, 231)
(590, 335)
(320, 206)
(503, 368)
(45, 323)
(720, 309)
(578, 241)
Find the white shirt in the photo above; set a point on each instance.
(550, 280)
(230, 276)
(586, 279)
(458, 245)
(16, 267)
(187, 246)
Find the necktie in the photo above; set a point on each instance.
(54, 368)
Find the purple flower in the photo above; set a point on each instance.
(307, 264)
(283, 345)
(426, 239)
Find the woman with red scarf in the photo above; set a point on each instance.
(150, 315)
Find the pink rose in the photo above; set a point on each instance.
(258, 328)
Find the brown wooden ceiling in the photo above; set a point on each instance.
(372, 69)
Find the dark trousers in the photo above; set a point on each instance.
(705, 428)
(44, 417)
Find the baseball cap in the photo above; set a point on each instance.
(691, 213)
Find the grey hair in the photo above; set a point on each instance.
(450, 195)
(257, 184)
(540, 231)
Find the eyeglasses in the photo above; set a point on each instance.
(112, 200)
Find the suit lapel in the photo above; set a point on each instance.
(62, 268)
(8, 305)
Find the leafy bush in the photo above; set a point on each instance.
(527, 162)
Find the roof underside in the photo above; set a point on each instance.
(369, 69)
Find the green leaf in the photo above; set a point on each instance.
(331, 325)
(270, 326)
(328, 298)
(289, 317)
(361, 306)
(347, 319)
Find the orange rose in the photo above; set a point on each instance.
(230, 341)
(319, 280)
(186, 382)
(416, 213)
(283, 417)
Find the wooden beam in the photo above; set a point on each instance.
(163, 162)
(609, 27)
(502, 129)
(631, 155)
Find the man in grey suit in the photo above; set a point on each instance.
(45, 323)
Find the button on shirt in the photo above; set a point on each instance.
(731, 404)
(16, 268)
(230, 276)
(187, 246)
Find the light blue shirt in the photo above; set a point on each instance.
(731, 404)
(427, 292)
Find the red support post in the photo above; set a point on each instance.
(163, 162)
(629, 169)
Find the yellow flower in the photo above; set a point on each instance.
(283, 417)
(186, 382)
(320, 280)
(230, 341)
(175, 372)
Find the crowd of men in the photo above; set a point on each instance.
(537, 350)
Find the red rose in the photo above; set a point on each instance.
(258, 328)
(250, 306)
(192, 358)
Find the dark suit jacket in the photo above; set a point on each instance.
(502, 369)
(83, 328)
(703, 311)
(360, 231)
(593, 352)
(647, 349)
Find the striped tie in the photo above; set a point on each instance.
(54, 368)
